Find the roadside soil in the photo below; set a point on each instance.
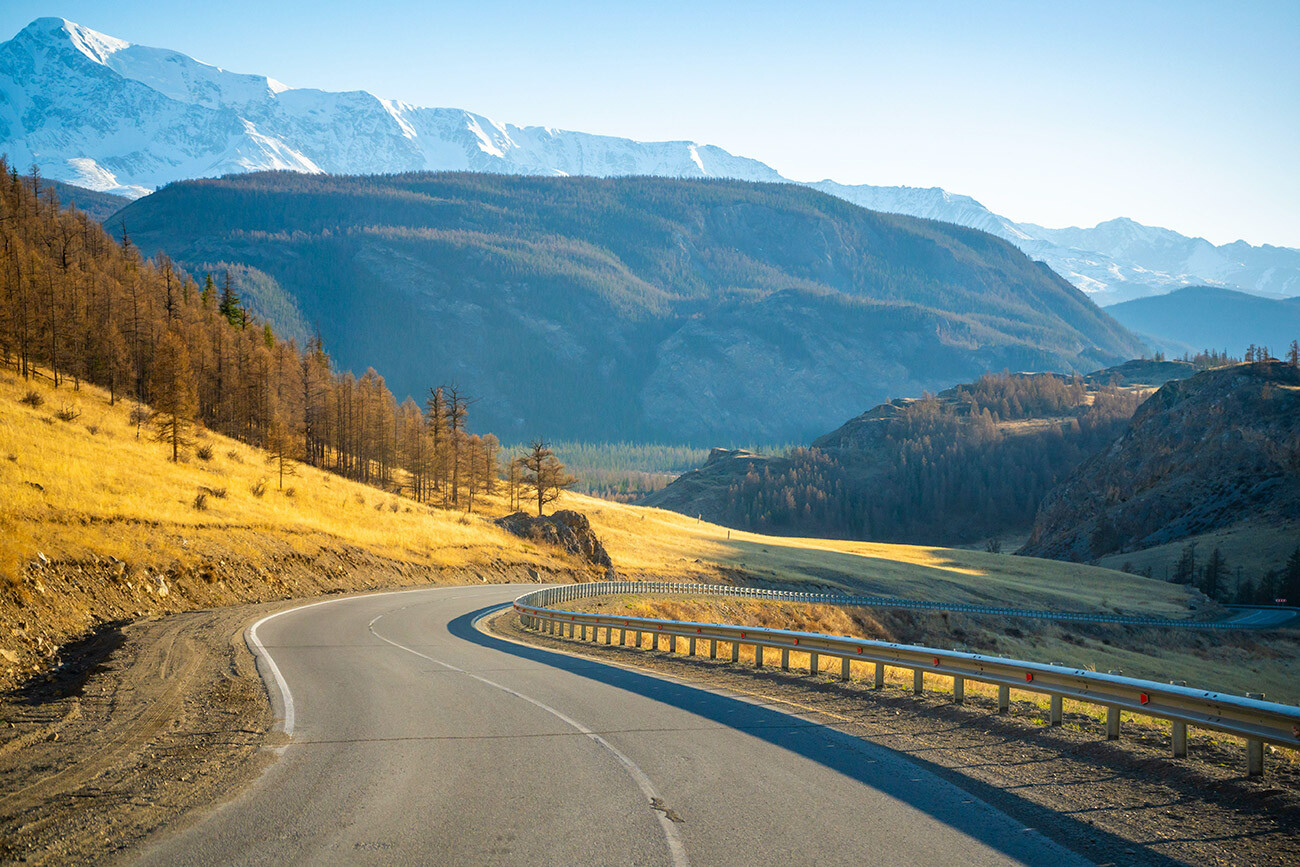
(1124, 802)
(146, 722)
(149, 722)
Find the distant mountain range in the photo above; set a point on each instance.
(1205, 317)
(642, 308)
(109, 115)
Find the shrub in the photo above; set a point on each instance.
(32, 398)
(201, 501)
(394, 506)
(66, 413)
(218, 493)
(203, 452)
(290, 492)
(234, 456)
(258, 488)
(92, 429)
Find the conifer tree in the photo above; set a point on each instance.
(171, 386)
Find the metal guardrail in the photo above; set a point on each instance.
(1257, 721)
(917, 605)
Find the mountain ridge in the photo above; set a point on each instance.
(103, 113)
(667, 310)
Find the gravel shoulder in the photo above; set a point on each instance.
(148, 723)
(1128, 802)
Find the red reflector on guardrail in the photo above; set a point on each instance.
(1295, 730)
(697, 629)
(859, 650)
(936, 662)
(796, 641)
(742, 635)
(1029, 676)
(1143, 697)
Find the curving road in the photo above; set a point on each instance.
(416, 738)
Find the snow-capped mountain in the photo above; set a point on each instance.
(113, 116)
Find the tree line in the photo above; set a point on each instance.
(972, 463)
(1216, 578)
(77, 306)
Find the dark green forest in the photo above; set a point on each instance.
(644, 309)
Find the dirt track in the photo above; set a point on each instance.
(148, 721)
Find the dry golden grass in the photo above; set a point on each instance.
(651, 543)
(91, 486)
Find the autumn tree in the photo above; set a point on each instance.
(171, 387)
(544, 474)
(282, 450)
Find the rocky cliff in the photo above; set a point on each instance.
(1218, 449)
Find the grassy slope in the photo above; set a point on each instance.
(76, 493)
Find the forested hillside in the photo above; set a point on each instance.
(970, 463)
(635, 308)
(77, 306)
(1218, 450)
(1211, 316)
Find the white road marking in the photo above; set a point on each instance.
(676, 849)
(259, 649)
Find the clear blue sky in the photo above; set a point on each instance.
(1180, 114)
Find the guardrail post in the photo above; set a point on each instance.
(814, 664)
(672, 644)
(880, 676)
(1112, 722)
(844, 669)
(785, 659)
(1056, 710)
(1179, 737)
(713, 648)
(609, 635)
(622, 637)
(758, 656)
(639, 635)
(958, 689)
(1254, 758)
(918, 681)
(1004, 699)
(735, 650)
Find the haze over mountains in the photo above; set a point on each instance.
(641, 308)
(1205, 317)
(102, 113)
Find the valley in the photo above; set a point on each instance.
(337, 431)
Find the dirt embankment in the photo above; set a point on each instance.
(149, 720)
(1120, 802)
(55, 602)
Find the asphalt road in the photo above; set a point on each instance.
(416, 738)
(1262, 618)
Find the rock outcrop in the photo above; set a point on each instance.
(1201, 454)
(566, 529)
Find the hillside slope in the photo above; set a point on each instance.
(1207, 317)
(969, 463)
(635, 308)
(1202, 454)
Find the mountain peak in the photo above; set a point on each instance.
(97, 46)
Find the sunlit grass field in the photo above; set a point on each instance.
(96, 484)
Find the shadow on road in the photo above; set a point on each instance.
(868, 763)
